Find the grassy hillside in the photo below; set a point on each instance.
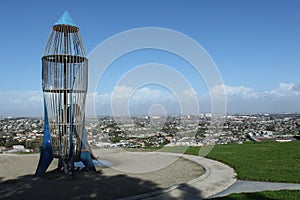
(276, 162)
(267, 161)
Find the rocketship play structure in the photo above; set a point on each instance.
(65, 83)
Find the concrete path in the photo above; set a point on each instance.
(256, 186)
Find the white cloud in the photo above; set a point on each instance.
(284, 98)
(239, 99)
(21, 103)
(237, 91)
(146, 94)
(296, 87)
(122, 92)
(125, 100)
(285, 90)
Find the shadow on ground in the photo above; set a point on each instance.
(84, 185)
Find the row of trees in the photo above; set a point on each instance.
(34, 145)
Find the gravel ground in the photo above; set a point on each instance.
(131, 174)
(15, 165)
(165, 171)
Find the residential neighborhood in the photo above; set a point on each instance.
(25, 134)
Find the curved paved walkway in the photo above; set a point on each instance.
(256, 186)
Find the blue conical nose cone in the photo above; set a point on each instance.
(65, 19)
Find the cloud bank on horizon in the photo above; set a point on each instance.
(148, 101)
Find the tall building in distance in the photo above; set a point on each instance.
(65, 82)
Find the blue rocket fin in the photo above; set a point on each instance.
(46, 155)
(85, 155)
(86, 158)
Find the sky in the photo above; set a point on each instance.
(255, 46)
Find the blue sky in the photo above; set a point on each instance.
(255, 45)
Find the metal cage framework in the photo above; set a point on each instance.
(65, 75)
(65, 82)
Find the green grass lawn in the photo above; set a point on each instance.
(281, 194)
(276, 162)
(272, 161)
(267, 161)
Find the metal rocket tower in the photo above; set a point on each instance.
(65, 82)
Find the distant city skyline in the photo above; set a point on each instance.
(255, 45)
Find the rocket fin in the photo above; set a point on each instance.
(87, 160)
(46, 155)
(86, 153)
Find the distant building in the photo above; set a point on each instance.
(19, 147)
